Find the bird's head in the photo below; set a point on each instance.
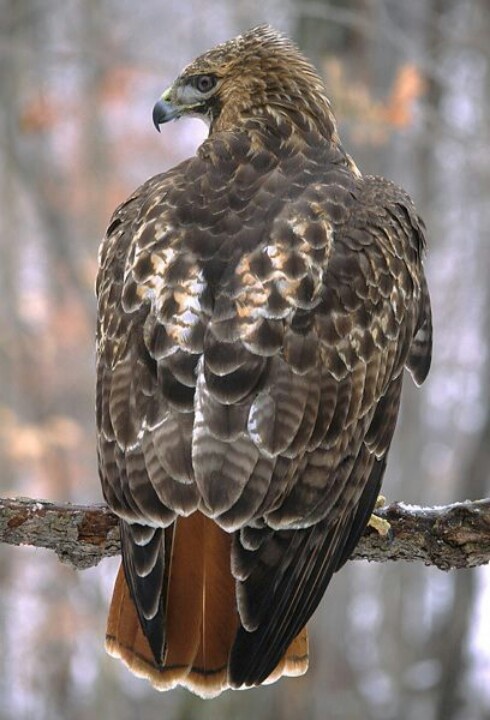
(257, 73)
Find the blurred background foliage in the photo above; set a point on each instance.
(410, 83)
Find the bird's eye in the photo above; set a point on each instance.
(204, 83)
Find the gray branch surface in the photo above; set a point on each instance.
(450, 536)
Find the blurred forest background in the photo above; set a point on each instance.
(410, 83)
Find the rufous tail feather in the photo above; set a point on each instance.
(202, 617)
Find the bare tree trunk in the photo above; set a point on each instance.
(450, 639)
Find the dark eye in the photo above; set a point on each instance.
(204, 83)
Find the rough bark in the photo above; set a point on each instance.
(449, 536)
(80, 535)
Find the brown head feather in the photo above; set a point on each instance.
(260, 73)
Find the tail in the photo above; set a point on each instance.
(202, 617)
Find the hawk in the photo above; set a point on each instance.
(257, 306)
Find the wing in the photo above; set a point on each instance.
(147, 352)
(298, 395)
(150, 336)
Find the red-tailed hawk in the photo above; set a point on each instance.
(257, 304)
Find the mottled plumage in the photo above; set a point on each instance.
(258, 304)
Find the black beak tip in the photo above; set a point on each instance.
(158, 114)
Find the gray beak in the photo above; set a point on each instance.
(163, 112)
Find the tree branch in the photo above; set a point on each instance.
(450, 536)
(80, 535)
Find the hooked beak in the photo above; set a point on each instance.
(164, 110)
